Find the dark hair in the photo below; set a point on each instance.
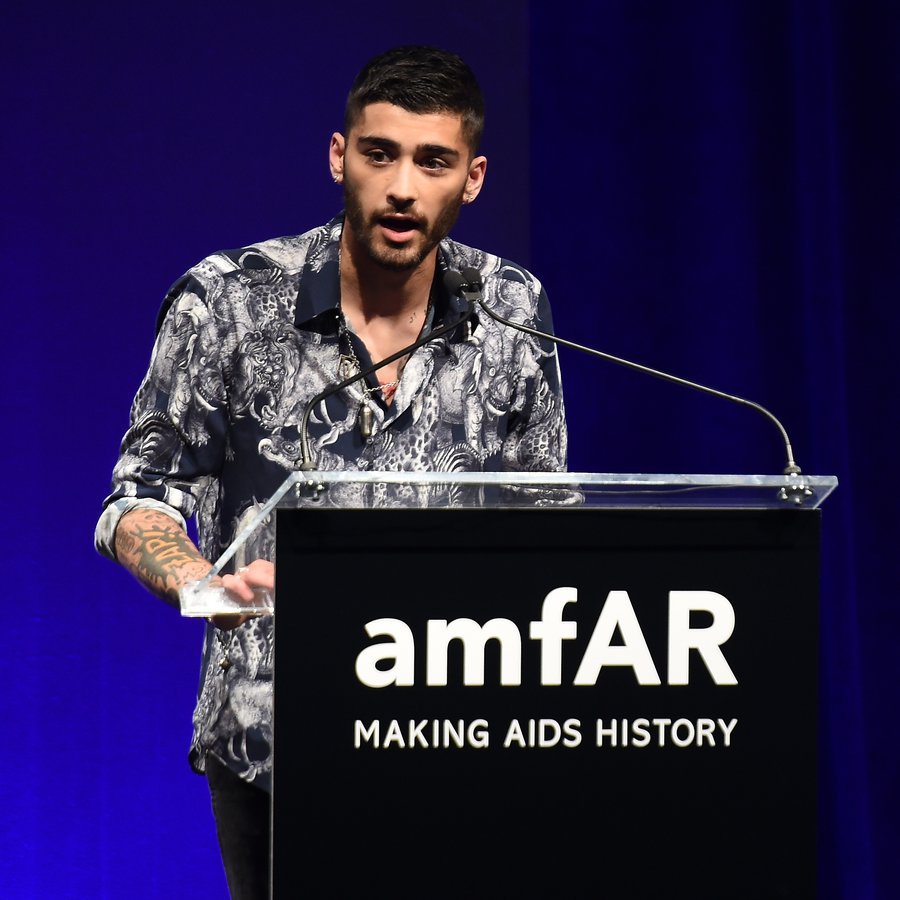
(420, 80)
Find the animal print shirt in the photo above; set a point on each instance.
(246, 339)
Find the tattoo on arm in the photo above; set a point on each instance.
(157, 550)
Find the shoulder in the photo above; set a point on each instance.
(263, 263)
(508, 286)
(290, 254)
(495, 270)
(274, 256)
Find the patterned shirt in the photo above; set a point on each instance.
(247, 338)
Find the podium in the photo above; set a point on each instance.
(535, 685)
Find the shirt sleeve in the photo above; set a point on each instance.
(176, 439)
(537, 438)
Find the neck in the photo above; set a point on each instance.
(373, 291)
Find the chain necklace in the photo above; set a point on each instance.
(366, 419)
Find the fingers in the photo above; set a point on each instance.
(238, 588)
(258, 574)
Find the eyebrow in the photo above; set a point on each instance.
(387, 144)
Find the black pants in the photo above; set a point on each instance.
(242, 814)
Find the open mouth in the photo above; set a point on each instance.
(398, 228)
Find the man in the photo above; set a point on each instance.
(249, 337)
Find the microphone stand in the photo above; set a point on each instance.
(473, 278)
(468, 285)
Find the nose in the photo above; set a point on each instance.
(402, 187)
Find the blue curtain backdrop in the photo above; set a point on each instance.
(708, 187)
(715, 192)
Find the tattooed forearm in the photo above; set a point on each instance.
(156, 549)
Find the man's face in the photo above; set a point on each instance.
(405, 177)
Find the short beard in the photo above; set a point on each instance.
(398, 260)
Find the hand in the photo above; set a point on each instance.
(259, 575)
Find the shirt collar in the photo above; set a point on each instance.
(319, 290)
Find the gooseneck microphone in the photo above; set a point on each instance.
(455, 285)
(471, 288)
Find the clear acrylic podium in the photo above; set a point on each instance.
(529, 685)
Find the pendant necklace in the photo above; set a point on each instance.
(365, 421)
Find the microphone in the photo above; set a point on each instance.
(456, 285)
(472, 289)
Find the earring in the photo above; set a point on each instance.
(338, 178)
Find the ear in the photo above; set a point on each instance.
(475, 178)
(336, 157)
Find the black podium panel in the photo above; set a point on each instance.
(675, 757)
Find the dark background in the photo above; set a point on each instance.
(709, 187)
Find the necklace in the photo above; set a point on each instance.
(366, 419)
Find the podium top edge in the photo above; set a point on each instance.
(603, 489)
(354, 489)
(557, 478)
